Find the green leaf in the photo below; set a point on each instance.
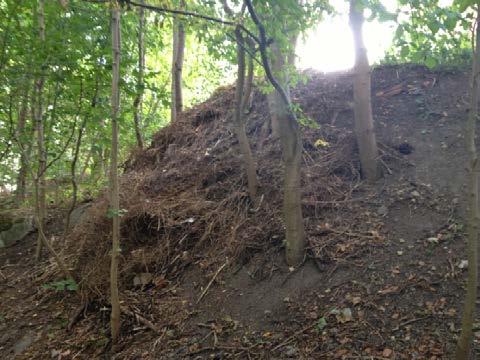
(451, 22)
(112, 213)
(62, 285)
(431, 62)
(321, 324)
(434, 27)
(404, 51)
(463, 4)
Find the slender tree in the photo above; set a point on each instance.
(290, 138)
(138, 102)
(177, 65)
(39, 182)
(364, 128)
(242, 95)
(114, 192)
(465, 340)
(76, 154)
(243, 92)
(20, 134)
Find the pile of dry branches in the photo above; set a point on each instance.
(185, 200)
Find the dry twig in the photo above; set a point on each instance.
(204, 292)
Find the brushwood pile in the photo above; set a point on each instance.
(184, 198)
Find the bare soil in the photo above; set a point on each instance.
(382, 278)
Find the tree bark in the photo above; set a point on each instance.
(242, 94)
(20, 134)
(290, 138)
(364, 128)
(42, 237)
(177, 65)
(465, 340)
(40, 128)
(76, 153)
(291, 142)
(273, 98)
(114, 192)
(138, 102)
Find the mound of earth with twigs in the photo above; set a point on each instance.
(184, 199)
(202, 268)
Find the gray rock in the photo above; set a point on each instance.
(382, 210)
(6, 220)
(18, 231)
(22, 344)
(291, 351)
(77, 215)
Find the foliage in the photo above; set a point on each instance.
(62, 285)
(432, 35)
(76, 61)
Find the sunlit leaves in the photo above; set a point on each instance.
(77, 50)
(463, 5)
(431, 35)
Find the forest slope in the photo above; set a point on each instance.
(381, 276)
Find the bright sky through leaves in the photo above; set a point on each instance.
(329, 47)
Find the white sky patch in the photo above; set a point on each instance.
(329, 47)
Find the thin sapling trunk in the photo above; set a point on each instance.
(138, 102)
(242, 94)
(364, 128)
(292, 146)
(40, 197)
(465, 340)
(114, 192)
(177, 65)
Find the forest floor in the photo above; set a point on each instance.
(384, 271)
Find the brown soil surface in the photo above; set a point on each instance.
(381, 277)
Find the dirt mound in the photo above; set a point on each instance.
(185, 197)
(390, 254)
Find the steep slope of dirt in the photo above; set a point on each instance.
(383, 273)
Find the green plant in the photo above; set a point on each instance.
(62, 285)
(321, 324)
(432, 35)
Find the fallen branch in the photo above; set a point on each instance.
(76, 316)
(410, 322)
(326, 231)
(140, 319)
(204, 292)
(385, 165)
(289, 339)
(220, 347)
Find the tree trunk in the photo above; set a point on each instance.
(273, 123)
(40, 127)
(76, 153)
(242, 95)
(364, 129)
(41, 233)
(138, 102)
(20, 135)
(465, 340)
(273, 98)
(177, 65)
(114, 192)
(290, 138)
(100, 159)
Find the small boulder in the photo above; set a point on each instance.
(77, 215)
(17, 232)
(6, 220)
